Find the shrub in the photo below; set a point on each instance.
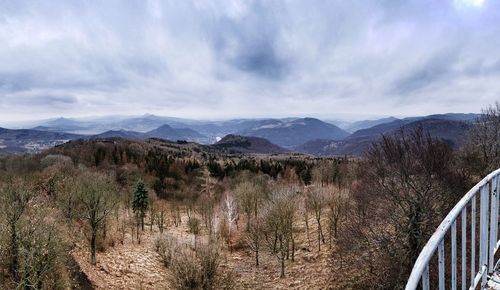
(165, 247)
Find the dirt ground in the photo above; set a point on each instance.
(137, 266)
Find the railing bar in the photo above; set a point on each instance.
(441, 265)
(473, 241)
(464, 248)
(454, 256)
(425, 279)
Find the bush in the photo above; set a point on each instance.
(186, 272)
(165, 247)
(199, 270)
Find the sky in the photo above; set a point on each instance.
(222, 59)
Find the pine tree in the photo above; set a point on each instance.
(140, 202)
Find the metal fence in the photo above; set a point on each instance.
(471, 275)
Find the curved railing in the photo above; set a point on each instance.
(471, 276)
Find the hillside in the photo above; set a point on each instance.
(168, 133)
(120, 134)
(452, 132)
(245, 144)
(289, 133)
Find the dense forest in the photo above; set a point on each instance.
(208, 219)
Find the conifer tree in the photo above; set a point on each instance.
(140, 201)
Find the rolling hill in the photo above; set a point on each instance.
(289, 133)
(169, 133)
(245, 144)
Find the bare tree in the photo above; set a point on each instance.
(316, 199)
(254, 238)
(176, 215)
(160, 219)
(96, 194)
(249, 195)
(194, 228)
(278, 217)
(15, 197)
(402, 195)
(208, 204)
(231, 214)
(338, 205)
(484, 139)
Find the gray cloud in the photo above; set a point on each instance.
(243, 58)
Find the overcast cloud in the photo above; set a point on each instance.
(244, 58)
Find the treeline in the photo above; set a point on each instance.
(175, 168)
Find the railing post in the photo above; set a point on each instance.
(425, 279)
(454, 255)
(493, 224)
(483, 234)
(441, 265)
(473, 240)
(464, 248)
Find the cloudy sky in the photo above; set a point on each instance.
(245, 58)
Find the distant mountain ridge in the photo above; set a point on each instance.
(449, 130)
(303, 134)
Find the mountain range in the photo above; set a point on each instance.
(306, 135)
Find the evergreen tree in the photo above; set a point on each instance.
(140, 202)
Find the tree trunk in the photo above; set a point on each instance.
(282, 258)
(93, 245)
(14, 265)
(257, 257)
(142, 221)
(248, 222)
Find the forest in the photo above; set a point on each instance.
(123, 214)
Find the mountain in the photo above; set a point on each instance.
(165, 132)
(292, 132)
(61, 125)
(169, 133)
(453, 132)
(246, 144)
(449, 130)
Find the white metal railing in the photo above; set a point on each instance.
(470, 276)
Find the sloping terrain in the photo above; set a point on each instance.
(294, 132)
(244, 144)
(137, 266)
(168, 133)
(452, 132)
